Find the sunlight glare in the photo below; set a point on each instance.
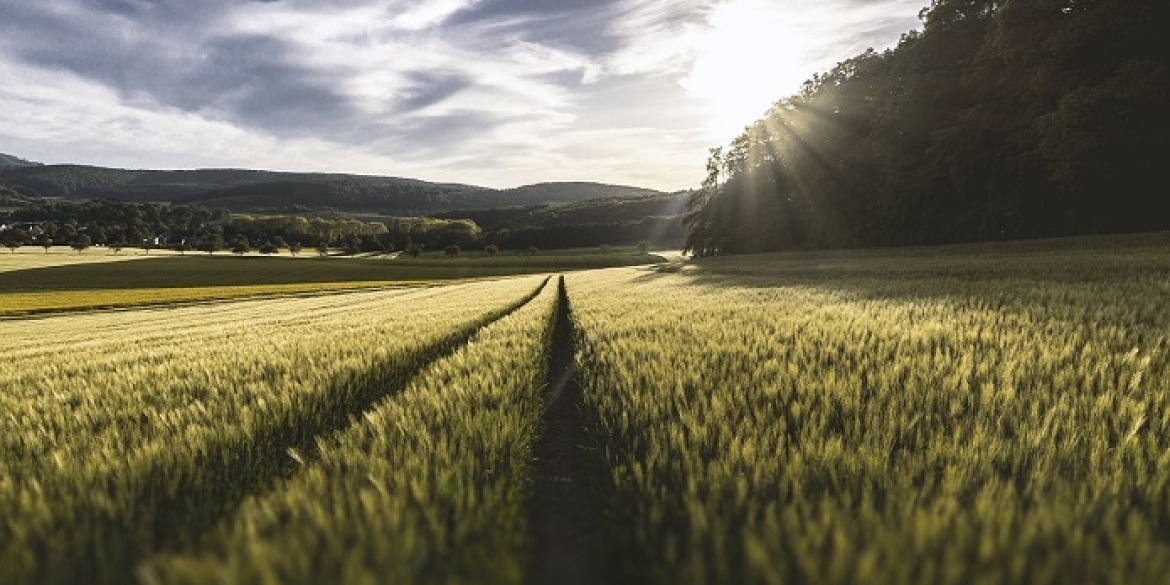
(752, 55)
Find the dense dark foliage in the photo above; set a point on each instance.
(355, 236)
(110, 222)
(662, 231)
(998, 120)
(592, 211)
(609, 220)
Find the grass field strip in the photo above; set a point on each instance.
(428, 486)
(95, 285)
(123, 334)
(128, 447)
(15, 305)
(35, 257)
(760, 426)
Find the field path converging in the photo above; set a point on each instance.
(567, 535)
(997, 414)
(135, 456)
(428, 486)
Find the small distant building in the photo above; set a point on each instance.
(33, 228)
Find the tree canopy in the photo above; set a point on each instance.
(1000, 119)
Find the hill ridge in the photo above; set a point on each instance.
(8, 161)
(247, 190)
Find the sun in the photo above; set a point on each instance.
(752, 55)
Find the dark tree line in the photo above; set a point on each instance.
(109, 222)
(614, 220)
(366, 236)
(114, 223)
(998, 120)
(662, 231)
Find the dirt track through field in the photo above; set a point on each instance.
(197, 504)
(567, 534)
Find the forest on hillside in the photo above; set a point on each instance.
(117, 224)
(656, 219)
(252, 191)
(1000, 119)
(113, 206)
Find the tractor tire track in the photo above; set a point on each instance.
(568, 537)
(200, 494)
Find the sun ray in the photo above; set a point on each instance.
(752, 54)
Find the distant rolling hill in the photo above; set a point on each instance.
(569, 193)
(601, 210)
(621, 220)
(7, 161)
(275, 192)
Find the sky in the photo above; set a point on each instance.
(499, 93)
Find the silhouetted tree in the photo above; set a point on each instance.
(19, 236)
(353, 246)
(241, 246)
(81, 243)
(211, 244)
(372, 245)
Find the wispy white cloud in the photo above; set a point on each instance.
(742, 55)
(85, 121)
(497, 92)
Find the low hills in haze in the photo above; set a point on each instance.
(656, 219)
(7, 161)
(604, 210)
(544, 215)
(249, 191)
